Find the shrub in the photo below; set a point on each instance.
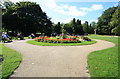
(86, 38)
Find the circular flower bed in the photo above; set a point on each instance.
(57, 40)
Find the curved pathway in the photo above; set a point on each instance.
(54, 61)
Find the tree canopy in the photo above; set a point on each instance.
(26, 17)
(57, 28)
(73, 27)
(107, 21)
(114, 23)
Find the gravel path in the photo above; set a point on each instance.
(54, 61)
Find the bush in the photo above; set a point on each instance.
(86, 38)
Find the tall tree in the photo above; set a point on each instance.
(94, 27)
(91, 29)
(104, 19)
(68, 28)
(86, 27)
(26, 17)
(57, 28)
(79, 28)
(114, 23)
(73, 25)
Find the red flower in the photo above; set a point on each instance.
(66, 39)
(38, 38)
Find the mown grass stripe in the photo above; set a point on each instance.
(104, 63)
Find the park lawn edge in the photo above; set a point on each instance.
(33, 42)
(104, 63)
(11, 61)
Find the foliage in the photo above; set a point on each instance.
(27, 15)
(104, 63)
(94, 25)
(7, 3)
(85, 38)
(11, 60)
(68, 28)
(79, 27)
(57, 28)
(91, 29)
(108, 20)
(114, 23)
(87, 28)
(74, 27)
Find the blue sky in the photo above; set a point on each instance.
(64, 11)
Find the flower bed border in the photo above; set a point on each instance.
(67, 40)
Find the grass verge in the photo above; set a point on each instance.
(104, 63)
(11, 60)
(60, 44)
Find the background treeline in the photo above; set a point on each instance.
(27, 17)
(109, 21)
(74, 27)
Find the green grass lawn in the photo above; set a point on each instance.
(11, 61)
(104, 63)
(60, 44)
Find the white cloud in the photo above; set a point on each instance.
(85, 9)
(78, 0)
(50, 3)
(67, 20)
(64, 8)
(93, 7)
(115, 5)
(17, 0)
(62, 20)
(82, 21)
(97, 7)
(70, 10)
(87, 0)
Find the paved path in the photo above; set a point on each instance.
(54, 61)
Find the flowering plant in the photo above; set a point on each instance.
(66, 40)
